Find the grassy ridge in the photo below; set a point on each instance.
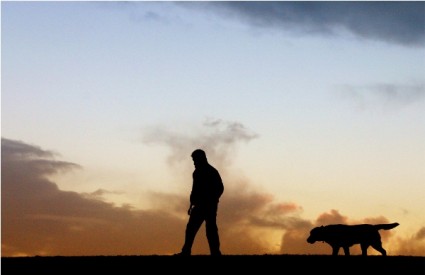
(207, 264)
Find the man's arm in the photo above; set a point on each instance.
(220, 186)
(189, 211)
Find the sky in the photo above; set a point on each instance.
(312, 112)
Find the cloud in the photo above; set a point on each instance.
(294, 239)
(393, 22)
(40, 219)
(388, 95)
(100, 193)
(217, 137)
(413, 245)
(420, 235)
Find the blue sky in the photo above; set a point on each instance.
(314, 105)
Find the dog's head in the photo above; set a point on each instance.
(316, 234)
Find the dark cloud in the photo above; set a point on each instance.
(395, 22)
(13, 149)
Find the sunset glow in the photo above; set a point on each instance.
(313, 112)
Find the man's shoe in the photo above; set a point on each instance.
(182, 254)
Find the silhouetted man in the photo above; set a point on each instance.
(206, 191)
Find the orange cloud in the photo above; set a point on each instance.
(414, 245)
(294, 240)
(40, 219)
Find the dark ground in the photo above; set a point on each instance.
(158, 264)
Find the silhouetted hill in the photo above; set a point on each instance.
(294, 264)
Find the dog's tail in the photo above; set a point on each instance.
(387, 226)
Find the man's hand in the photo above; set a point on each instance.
(190, 209)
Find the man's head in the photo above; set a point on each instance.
(199, 157)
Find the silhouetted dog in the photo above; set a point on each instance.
(341, 235)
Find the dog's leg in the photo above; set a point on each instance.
(347, 250)
(380, 249)
(364, 249)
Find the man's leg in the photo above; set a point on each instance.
(212, 231)
(195, 221)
